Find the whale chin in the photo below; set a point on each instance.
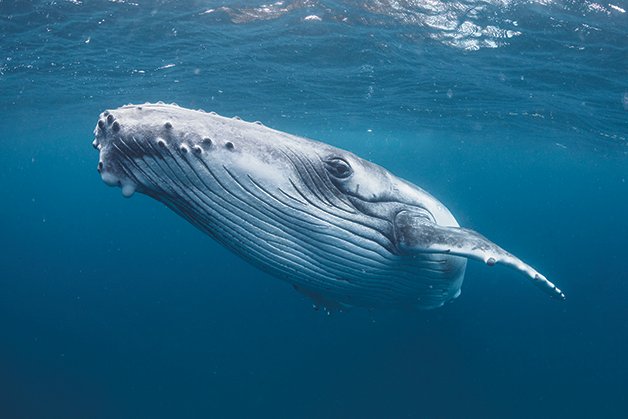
(134, 149)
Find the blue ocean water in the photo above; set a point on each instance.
(512, 113)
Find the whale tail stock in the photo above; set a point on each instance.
(417, 234)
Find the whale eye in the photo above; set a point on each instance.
(338, 168)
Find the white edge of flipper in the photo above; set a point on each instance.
(416, 233)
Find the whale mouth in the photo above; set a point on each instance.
(130, 141)
(113, 150)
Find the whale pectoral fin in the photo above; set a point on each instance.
(416, 233)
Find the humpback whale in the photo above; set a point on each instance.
(340, 229)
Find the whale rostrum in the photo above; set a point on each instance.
(340, 229)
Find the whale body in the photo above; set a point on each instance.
(340, 229)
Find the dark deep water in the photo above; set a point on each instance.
(514, 114)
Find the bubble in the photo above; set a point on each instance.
(128, 189)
